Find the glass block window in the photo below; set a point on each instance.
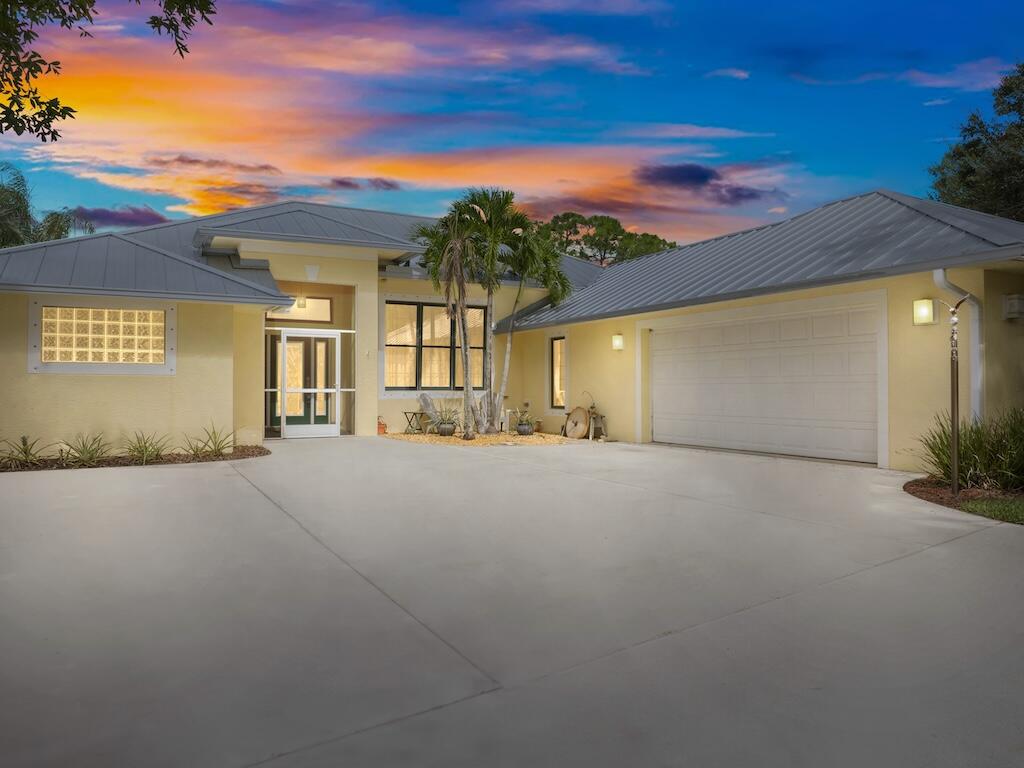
(100, 335)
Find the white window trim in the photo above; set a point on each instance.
(549, 409)
(35, 340)
(412, 394)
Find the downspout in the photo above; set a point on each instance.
(977, 345)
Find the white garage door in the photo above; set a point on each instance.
(803, 383)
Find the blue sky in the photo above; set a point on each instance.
(687, 119)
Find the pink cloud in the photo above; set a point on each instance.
(731, 72)
(980, 75)
(688, 131)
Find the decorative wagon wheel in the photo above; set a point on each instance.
(577, 423)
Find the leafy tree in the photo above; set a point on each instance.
(984, 170)
(498, 225)
(633, 245)
(599, 238)
(452, 260)
(23, 109)
(602, 237)
(565, 231)
(532, 258)
(19, 225)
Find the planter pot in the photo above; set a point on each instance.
(524, 429)
(446, 430)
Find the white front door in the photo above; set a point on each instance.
(310, 368)
(795, 381)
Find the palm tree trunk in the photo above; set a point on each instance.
(489, 414)
(499, 398)
(469, 411)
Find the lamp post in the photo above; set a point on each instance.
(954, 394)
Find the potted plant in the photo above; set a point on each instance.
(524, 423)
(445, 420)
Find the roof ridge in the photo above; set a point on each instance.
(198, 264)
(895, 197)
(358, 226)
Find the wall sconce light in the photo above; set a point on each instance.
(924, 312)
(618, 343)
(300, 302)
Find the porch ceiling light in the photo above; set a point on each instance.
(924, 312)
(618, 343)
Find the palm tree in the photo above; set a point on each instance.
(534, 258)
(452, 261)
(18, 224)
(500, 225)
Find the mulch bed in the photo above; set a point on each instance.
(930, 489)
(240, 452)
(481, 441)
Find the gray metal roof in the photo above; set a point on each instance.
(167, 260)
(580, 272)
(292, 220)
(871, 235)
(116, 264)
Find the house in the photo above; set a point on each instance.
(816, 336)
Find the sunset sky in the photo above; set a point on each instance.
(688, 119)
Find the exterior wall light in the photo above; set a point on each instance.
(924, 312)
(301, 302)
(618, 343)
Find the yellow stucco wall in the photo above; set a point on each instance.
(58, 406)
(323, 267)
(1004, 344)
(918, 361)
(248, 367)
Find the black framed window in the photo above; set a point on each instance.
(422, 347)
(557, 361)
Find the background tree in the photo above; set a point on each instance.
(19, 225)
(23, 109)
(984, 170)
(452, 261)
(598, 238)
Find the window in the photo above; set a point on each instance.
(557, 359)
(422, 347)
(306, 309)
(86, 335)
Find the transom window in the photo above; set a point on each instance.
(102, 335)
(423, 349)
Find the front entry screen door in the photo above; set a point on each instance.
(303, 375)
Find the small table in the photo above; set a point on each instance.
(414, 421)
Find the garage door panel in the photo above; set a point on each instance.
(800, 384)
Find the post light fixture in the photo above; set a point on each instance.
(618, 342)
(925, 312)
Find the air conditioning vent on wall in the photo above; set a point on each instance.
(1013, 306)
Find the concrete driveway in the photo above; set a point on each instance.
(368, 602)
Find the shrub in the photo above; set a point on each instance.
(23, 454)
(991, 451)
(218, 443)
(145, 449)
(213, 443)
(84, 451)
(446, 413)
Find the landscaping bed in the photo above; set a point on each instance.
(239, 452)
(481, 441)
(1007, 506)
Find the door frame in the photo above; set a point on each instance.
(877, 299)
(332, 429)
